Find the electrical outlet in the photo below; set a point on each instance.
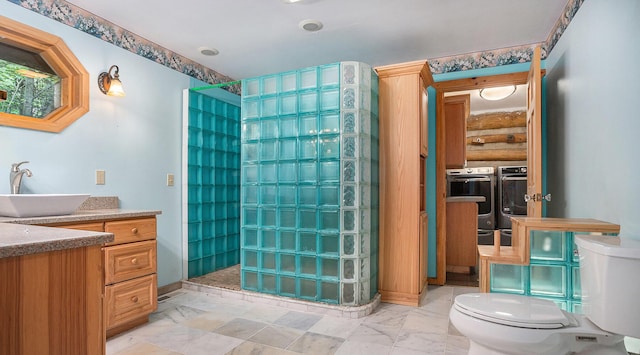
(169, 179)
(100, 177)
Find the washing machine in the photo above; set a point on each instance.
(512, 187)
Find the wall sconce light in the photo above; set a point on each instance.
(497, 93)
(110, 84)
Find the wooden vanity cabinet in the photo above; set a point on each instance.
(51, 303)
(403, 146)
(130, 265)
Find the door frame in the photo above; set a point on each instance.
(479, 82)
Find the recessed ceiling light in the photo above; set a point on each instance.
(290, 1)
(208, 51)
(310, 25)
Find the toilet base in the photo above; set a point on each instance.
(478, 349)
(487, 338)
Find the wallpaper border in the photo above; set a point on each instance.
(71, 15)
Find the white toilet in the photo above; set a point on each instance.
(498, 323)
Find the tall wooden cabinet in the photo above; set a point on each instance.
(403, 151)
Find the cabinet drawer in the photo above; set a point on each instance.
(133, 230)
(129, 300)
(94, 227)
(128, 261)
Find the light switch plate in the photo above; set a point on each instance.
(169, 179)
(100, 177)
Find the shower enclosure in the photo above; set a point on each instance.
(211, 212)
(309, 188)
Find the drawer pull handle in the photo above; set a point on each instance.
(134, 231)
(134, 299)
(134, 261)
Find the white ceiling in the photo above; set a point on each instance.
(257, 37)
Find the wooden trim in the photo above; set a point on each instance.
(404, 298)
(417, 67)
(483, 82)
(169, 288)
(124, 327)
(520, 250)
(441, 193)
(497, 154)
(74, 77)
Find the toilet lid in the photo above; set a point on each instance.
(512, 310)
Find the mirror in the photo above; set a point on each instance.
(43, 86)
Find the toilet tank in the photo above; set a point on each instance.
(610, 288)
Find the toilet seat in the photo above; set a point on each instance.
(513, 310)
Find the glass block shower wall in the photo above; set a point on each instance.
(213, 184)
(310, 183)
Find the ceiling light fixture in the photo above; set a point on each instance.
(310, 25)
(498, 93)
(208, 51)
(290, 1)
(111, 84)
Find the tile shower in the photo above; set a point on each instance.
(213, 183)
(309, 189)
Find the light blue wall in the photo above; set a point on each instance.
(593, 120)
(135, 139)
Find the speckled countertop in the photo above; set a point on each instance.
(23, 236)
(81, 216)
(20, 239)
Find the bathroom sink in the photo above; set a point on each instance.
(38, 205)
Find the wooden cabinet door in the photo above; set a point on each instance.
(456, 112)
(424, 119)
(424, 249)
(534, 137)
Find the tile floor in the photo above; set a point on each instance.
(191, 322)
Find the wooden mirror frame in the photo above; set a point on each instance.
(74, 78)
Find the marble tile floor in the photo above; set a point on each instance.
(191, 322)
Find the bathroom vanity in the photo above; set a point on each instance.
(51, 290)
(125, 267)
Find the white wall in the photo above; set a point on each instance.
(135, 139)
(593, 119)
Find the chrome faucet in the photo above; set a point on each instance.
(15, 178)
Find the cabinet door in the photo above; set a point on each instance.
(128, 261)
(424, 120)
(456, 112)
(423, 245)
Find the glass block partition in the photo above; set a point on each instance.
(553, 272)
(213, 184)
(310, 183)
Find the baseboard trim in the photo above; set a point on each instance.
(169, 288)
